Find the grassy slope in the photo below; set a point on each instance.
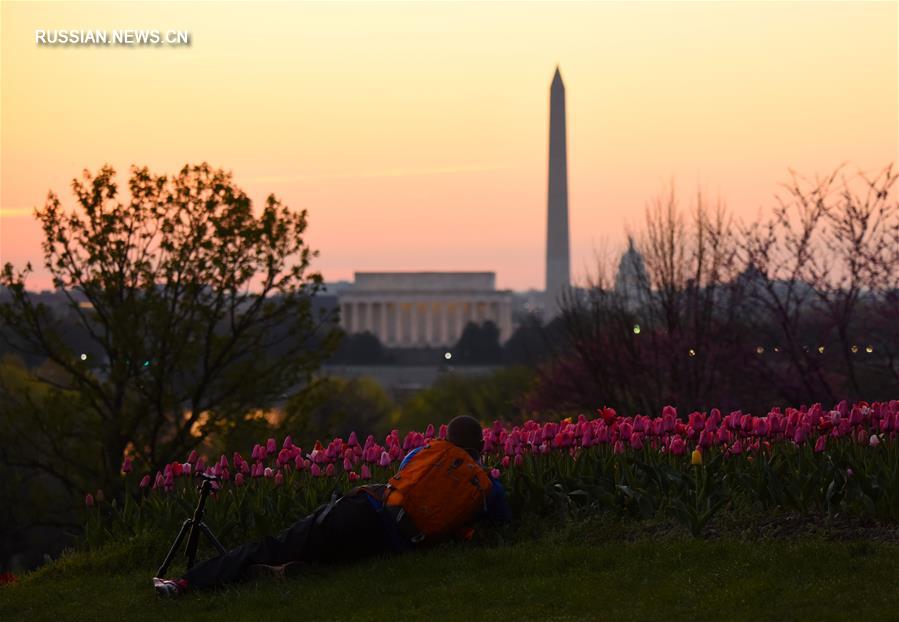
(570, 575)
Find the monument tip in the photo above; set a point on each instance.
(557, 76)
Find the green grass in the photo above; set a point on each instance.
(590, 571)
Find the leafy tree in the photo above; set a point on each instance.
(478, 345)
(360, 349)
(486, 398)
(533, 342)
(197, 308)
(330, 407)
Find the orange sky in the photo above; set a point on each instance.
(416, 134)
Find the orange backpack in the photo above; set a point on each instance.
(440, 489)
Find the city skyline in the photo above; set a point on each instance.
(417, 137)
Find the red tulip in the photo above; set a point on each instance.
(89, 500)
(144, 482)
(820, 444)
(126, 465)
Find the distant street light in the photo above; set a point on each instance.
(448, 355)
(636, 329)
(83, 356)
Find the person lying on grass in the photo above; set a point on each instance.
(438, 492)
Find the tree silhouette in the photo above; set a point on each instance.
(197, 308)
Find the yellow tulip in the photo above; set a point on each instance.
(696, 458)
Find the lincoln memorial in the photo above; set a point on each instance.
(419, 309)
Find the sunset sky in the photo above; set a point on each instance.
(416, 134)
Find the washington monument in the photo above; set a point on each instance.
(557, 253)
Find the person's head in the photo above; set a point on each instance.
(466, 432)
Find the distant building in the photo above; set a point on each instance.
(423, 309)
(632, 281)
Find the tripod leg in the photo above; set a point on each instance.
(212, 538)
(193, 541)
(168, 558)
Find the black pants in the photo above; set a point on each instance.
(350, 529)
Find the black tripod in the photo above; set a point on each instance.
(192, 528)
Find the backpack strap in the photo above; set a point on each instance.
(404, 524)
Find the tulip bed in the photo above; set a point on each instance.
(807, 460)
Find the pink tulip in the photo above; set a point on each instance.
(820, 444)
(270, 446)
(736, 448)
(89, 500)
(518, 460)
(144, 482)
(874, 441)
(315, 470)
(268, 472)
(186, 468)
(288, 442)
(636, 441)
(126, 465)
(618, 447)
(505, 461)
(495, 473)
(385, 459)
(279, 478)
(192, 458)
(238, 480)
(442, 433)
(365, 472)
(329, 470)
